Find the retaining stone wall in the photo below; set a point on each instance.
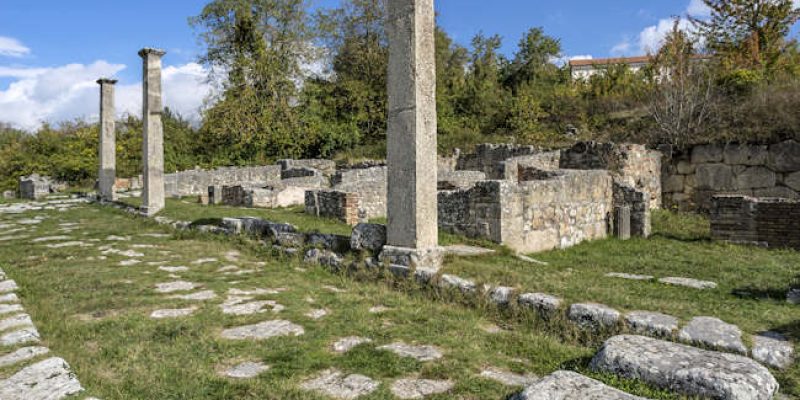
(692, 178)
(770, 222)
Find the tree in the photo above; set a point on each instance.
(681, 101)
(532, 63)
(749, 34)
(484, 100)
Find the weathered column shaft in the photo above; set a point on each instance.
(107, 173)
(411, 146)
(153, 142)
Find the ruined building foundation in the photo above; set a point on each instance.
(153, 141)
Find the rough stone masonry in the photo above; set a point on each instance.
(107, 173)
(411, 146)
(153, 141)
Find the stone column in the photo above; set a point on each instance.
(153, 143)
(107, 173)
(412, 231)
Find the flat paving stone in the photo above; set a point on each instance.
(378, 309)
(10, 308)
(568, 385)
(25, 335)
(688, 282)
(684, 369)
(129, 263)
(263, 330)
(177, 286)
(15, 322)
(75, 243)
(713, 333)
(172, 313)
(344, 345)
(198, 296)
(773, 349)
(50, 379)
(632, 277)
(592, 315)
(651, 323)
(8, 286)
(205, 261)
(509, 378)
(51, 239)
(22, 354)
(249, 308)
(419, 353)
(335, 384)
(317, 314)
(255, 292)
(246, 370)
(173, 270)
(419, 388)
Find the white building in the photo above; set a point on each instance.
(585, 69)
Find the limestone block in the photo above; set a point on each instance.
(735, 154)
(48, 379)
(773, 349)
(777, 191)
(792, 181)
(371, 237)
(714, 333)
(685, 167)
(590, 315)
(708, 153)
(651, 323)
(544, 304)
(755, 177)
(673, 184)
(784, 157)
(568, 385)
(685, 370)
(715, 177)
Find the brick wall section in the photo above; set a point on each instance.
(770, 222)
(691, 178)
(336, 204)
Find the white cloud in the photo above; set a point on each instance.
(622, 48)
(67, 92)
(11, 47)
(698, 8)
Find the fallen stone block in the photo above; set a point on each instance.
(591, 315)
(371, 237)
(567, 385)
(501, 295)
(651, 324)
(544, 304)
(48, 379)
(688, 282)
(773, 349)
(684, 369)
(455, 282)
(713, 333)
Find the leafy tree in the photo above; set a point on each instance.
(532, 63)
(484, 100)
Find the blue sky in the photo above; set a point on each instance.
(52, 50)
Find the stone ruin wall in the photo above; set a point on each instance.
(343, 206)
(769, 222)
(690, 179)
(557, 212)
(196, 182)
(490, 158)
(369, 182)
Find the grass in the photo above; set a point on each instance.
(94, 313)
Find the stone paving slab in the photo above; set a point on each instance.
(344, 345)
(197, 296)
(632, 277)
(8, 286)
(173, 313)
(592, 315)
(567, 385)
(419, 388)
(10, 308)
(509, 378)
(419, 353)
(25, 335)
(50, 379)
(246, 370)
(177, 286)
(22, 354)
(773, 349)
(15, 322)
(263, 330)
(462, 250)
(713, 333)
(335, 384)
(651, 323)
(684, 369)
(688, 282)
(544, 304)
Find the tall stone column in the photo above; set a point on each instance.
(107, 173)
(412, 231)
(153, 143)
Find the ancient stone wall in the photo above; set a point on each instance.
(770, 222)
(490, 158)
(633, 164)
(690, 179)
(559, 211)
(196, 182)
(336, 204)
(34, 187)
(326, 167)
(370, 184)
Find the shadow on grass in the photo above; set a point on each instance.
(681, 238)
(207, 221)
(753, 293)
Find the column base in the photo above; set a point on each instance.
(150, 211)
(430, 258)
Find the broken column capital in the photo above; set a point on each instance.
(151, 51)
(106, 81)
